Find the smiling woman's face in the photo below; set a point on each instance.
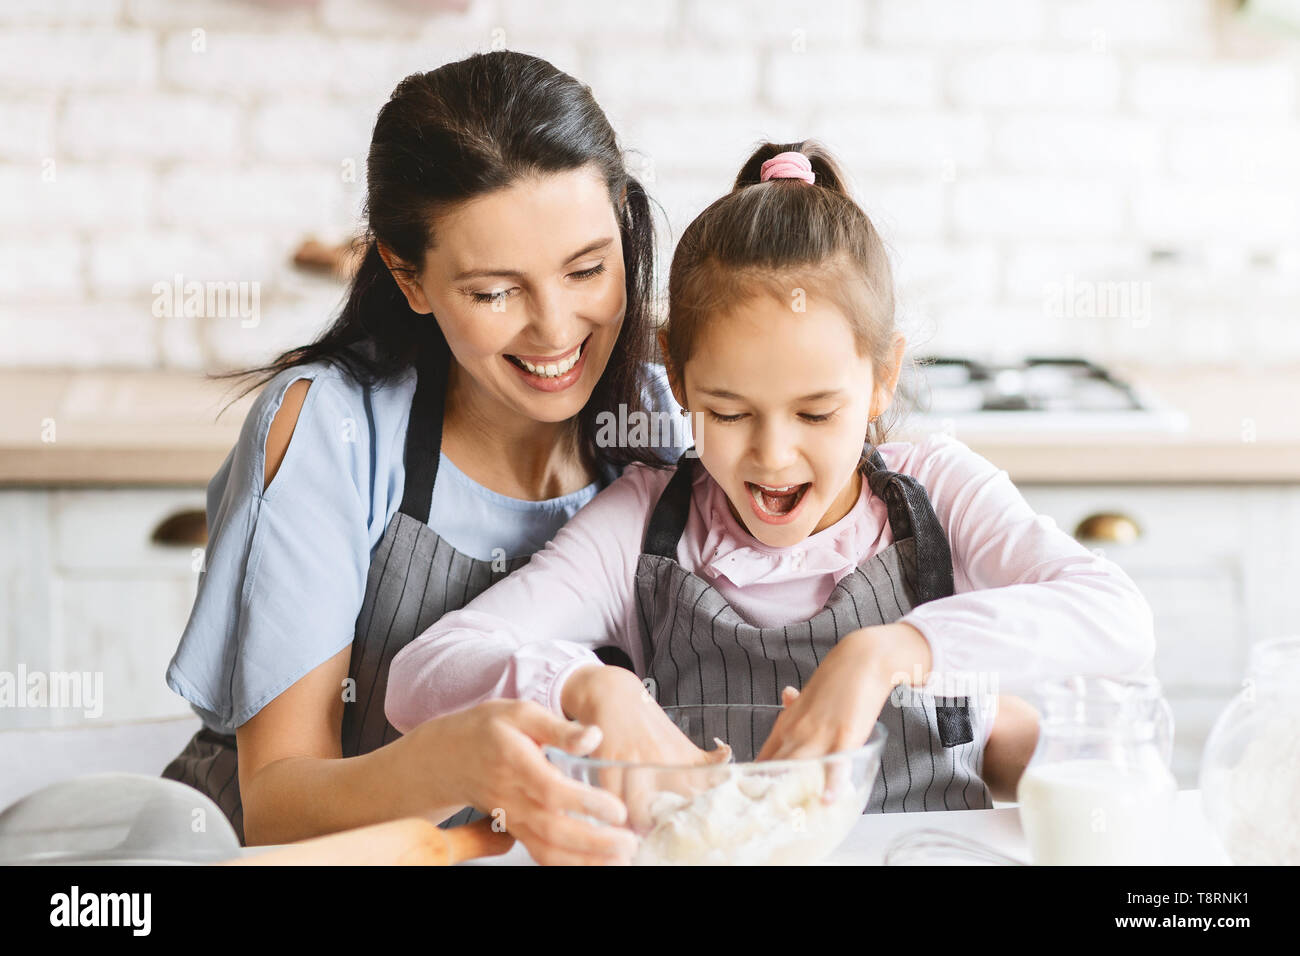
(527, 284)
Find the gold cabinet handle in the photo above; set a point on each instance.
(1109, 526)
(183, 529)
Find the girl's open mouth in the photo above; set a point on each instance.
(776, 504)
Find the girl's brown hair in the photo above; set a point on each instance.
(785, 237)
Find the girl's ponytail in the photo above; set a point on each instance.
(827, 170)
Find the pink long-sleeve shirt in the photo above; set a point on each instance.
(1030, 601)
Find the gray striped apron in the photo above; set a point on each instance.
(699, 650)
(415, 577)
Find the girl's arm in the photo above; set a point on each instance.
(1031, 601)
(1010, 744)
(524, 636)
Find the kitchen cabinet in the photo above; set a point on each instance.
(88, 592)
(1217, 564)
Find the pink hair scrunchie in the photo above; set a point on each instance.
(787, 166)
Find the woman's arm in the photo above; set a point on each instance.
(295, 784)
(1032, 602)
(523, 637)
(290, 752)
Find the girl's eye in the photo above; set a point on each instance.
(725, 418)
(588, 273)
(818, 418)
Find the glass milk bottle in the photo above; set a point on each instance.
(1098, 789)
(1250, 770)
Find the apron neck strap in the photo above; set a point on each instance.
(668, 520)
(424, 434)
(911, 515)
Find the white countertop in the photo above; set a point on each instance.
(1191, 840)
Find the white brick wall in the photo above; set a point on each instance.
(1012, 79)
(1001, 146)
(809, 23)
(869, 77)
(1025, 206)
(85, 59)
(54, 196)
(1146, 27)
(148, 127)
(663, 77)
(60, 12)
(928, 23)
(1221, 89)
(1107, 145)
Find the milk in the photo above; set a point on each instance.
(1094, 812)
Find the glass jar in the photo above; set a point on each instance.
(1250, 769)
(1098, 789)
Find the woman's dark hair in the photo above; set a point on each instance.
(779, 236)
(460, 131)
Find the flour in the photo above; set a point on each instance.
(751, 818)
(1264, 798)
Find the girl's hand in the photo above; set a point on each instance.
(494, 752)
(839, 706)
(635, 728)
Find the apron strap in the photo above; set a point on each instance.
(912, 516)
(668, 520)
(424, 434)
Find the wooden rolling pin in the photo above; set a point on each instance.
(407, 842)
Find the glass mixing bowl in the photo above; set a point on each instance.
(779, 812)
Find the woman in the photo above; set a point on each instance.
(440, 432)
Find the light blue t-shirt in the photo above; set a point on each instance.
(286, 567)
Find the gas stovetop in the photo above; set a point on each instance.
(1046, 393)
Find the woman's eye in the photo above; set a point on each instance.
(817, 418)
(725, 418)
(486, 297)
(588, 273)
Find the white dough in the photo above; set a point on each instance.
(752, 817)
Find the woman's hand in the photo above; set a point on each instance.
(839, 706)
(492, 754)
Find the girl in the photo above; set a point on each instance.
(792, 563)
(436, 435)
